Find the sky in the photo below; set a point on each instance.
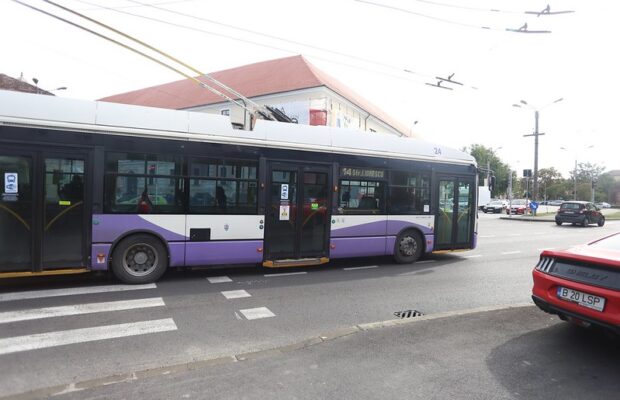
(386, 50)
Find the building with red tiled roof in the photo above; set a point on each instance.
(292, 84)
(18, 85)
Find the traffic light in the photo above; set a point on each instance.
(527, 173)
(491, 182)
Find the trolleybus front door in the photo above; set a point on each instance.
(42, 211)
(16, 211)
(455, 214)
(298, 215)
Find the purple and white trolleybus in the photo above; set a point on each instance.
(137, 190)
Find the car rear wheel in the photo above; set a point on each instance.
(558, 222)
(601, 221)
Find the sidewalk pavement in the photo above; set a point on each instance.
(516, 352)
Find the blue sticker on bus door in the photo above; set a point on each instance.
(284, 191)
(10, 183)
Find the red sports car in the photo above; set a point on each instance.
(581, 284)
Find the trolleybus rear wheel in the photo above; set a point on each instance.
(139, 259)
(408, 247)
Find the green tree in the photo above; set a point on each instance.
(606, 186)
(486, 158)
(583, 177)
(551, 184)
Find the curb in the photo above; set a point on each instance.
(528, 219)
(206, 363)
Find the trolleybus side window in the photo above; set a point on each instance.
(143, 183)
(409, 193)
(361, 197)
(223, 186)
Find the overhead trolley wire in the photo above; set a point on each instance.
(295, 42)
(255, 43)
(186, 75)
(139, 3)
(448, 21)
(495, 10)
(215, 81)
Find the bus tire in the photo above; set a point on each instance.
(408, 247)
(139, 259)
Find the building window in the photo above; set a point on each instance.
(318, 117)
(225, 111)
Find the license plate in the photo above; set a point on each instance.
(569, 212)
(583, 299)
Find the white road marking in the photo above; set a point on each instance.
(511, 252)
(286, 274)
(61, 338)
(37, 294)
(355, 268)
(236, 294)
(487, 236)
(219, 279)
(474, 256)
(514, 234)
(79, 309)
(257, 313)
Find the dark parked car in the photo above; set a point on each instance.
(581, 284)
(579, 212)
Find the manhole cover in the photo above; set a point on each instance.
(408, 314)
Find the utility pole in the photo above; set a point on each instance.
(575, 176)
(535, 134)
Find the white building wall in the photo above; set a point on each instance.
(341, 113)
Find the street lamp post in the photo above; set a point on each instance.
(536, 134)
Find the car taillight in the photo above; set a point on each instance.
(545, 264)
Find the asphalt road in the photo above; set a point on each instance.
(193, 316)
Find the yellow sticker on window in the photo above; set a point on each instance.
(64, 203)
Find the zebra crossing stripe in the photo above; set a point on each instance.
(78, 309)
(257, 313)
(38, 294)
(73, 336)
(219, 279)
(236, 294)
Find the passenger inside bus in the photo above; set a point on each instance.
(145, 206)
(220, 196)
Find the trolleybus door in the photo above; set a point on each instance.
(63, 212)
(298, 212)
(456, 209)
(42, 211)
(16, 211)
